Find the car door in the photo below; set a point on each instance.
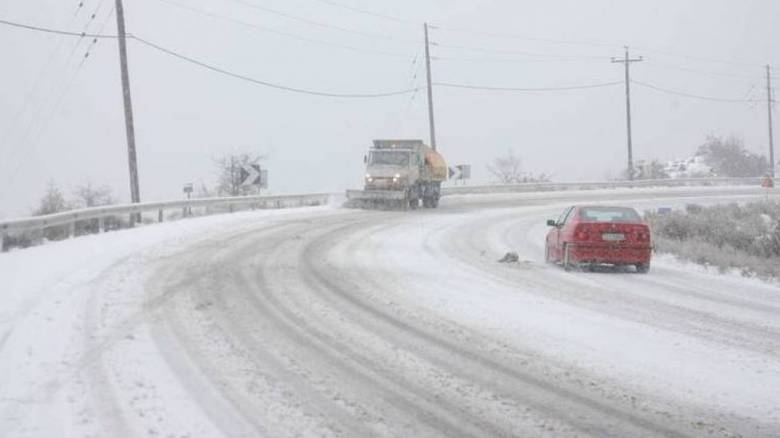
(555, 237)
(564, 229)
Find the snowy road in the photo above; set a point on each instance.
(331, 322)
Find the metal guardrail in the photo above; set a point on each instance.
(71, 218)
(547, 187)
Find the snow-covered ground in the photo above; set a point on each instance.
(331, 322)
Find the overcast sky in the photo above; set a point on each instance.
(186, 116)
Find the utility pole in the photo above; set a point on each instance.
(769, 102)
(135, 194)
(430, 89)
(627, 62)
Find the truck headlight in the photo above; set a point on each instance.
(396, 177)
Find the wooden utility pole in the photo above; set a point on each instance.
(627, 62)
(135, 194)
(769, 102)
(430, 89)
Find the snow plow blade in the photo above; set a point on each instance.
(376, 199)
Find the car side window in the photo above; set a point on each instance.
(569, 216)
(564, 216)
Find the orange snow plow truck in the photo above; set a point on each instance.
(400, 174)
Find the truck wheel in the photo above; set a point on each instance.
(643, 268)
(434, 202)
(414, 203)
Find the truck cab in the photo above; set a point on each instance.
(391, 169)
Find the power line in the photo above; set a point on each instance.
(525, 38)
(54, 31)
(716, 75)
(281, 33)
(265, 83)
(64, 83)
(690, 95)
(513, 60)
(369, 13)
(37, 83)
(59, 100)
(699, 58)
(515, 52)
(526, 89)
(321, 24)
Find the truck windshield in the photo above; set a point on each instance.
(393, 158)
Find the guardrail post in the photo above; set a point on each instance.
(101, 224)
(2, 241)
(160, 215)
(72, 229)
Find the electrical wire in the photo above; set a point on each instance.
(689, 95)
(367, 12)
(514, 52)
(540, 89)
(712, 74)
(701, 59)
(524, 37)
(63, 83)
(281, 33)
(37, 83)
(54, 31)
(481, 60)
(58, 102)
(323, 25)
(265, 83)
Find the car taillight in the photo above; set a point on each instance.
(581, 234)
(643, 236)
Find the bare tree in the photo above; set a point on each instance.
(229, 167)
(53, 201)
(729, 157)
(89, 195)
(507, 169)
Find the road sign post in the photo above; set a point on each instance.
(768, 184)
(187, 189)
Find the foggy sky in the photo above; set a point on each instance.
(187, 116)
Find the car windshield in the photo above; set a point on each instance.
(391, 158)
(609, 214)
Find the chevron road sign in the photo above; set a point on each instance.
(253, 175)
(460, 172)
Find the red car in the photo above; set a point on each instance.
(594, 235)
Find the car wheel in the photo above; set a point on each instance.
(567, 265)
(643, 268)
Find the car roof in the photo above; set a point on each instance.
(579, 207)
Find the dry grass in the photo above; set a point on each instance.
(744, 237)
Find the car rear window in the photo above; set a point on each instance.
(609, 214)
